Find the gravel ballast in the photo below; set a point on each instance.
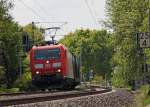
(118, 98)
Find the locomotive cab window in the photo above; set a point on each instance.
(53, 54)
(47, 54)
(40, 54)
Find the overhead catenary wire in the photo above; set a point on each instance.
(61, 23)
(53, 30)
(31, 9)
(42, 9)
(91, 12)
(50, 22)
(93, 8)
(39, 16)
(39, 5)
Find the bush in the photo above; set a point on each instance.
(145, 90)
(147, 101)
(11, 90)
(118, 81)
(98, 79)
(24, 82)
(2, 75)
(2, 90)
(142, 98)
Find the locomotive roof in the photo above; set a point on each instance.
(49, 46)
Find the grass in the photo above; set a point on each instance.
(142, 99)
(11, 90)
(147, 101)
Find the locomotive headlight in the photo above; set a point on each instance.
(37, 72)
(58, 70)
(47, 62)
(57, 64)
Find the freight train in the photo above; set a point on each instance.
(53, 66)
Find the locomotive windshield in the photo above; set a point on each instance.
(40, 54)
(53, 53)
(47, 54)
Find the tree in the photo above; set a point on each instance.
(94, 48)
(126, 18)
(10, 40)
(35, 35)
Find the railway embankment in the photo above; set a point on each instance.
(115, 98)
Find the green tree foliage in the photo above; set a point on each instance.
(35, 35)
(2, 75)
(94, 47)
(24, 82)
(10, 42)
(126, 18)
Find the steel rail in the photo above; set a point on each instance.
(27, 93)
(50, 97)
(52, 91)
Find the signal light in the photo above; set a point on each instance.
(26, 42)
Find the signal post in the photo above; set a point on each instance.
(143, 42)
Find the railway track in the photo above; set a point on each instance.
(52, 91)
(25, 98)
(26, 93)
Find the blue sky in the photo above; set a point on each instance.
(78, 13)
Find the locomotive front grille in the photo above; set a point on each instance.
(47, 65)
(49, 77)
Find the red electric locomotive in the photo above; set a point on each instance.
(54, 66)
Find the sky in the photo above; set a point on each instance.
(77, 13)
